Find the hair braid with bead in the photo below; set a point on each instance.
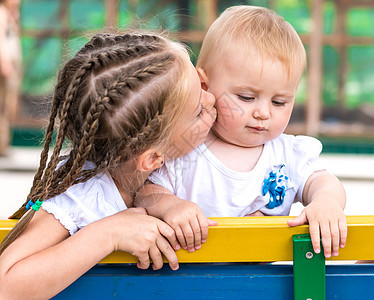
(114, 99)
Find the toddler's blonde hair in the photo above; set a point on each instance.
(255, 30)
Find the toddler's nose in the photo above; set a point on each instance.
(262, 111)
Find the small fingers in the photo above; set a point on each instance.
(169, 253)
(335, 239)
(180, 237)
(326, 238)
(143, 262)
(299, 220)
(204, 225)
(339, 235)
(257, 213)
(212, 223)
(168, 233)
(315, 236)
(156, 257)
(189, 237)
(197, 230)
(343, 231)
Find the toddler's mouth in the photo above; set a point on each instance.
(257, 128)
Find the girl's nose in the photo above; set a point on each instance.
(209, 100)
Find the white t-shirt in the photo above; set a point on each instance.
(221, 192)
(86, 202)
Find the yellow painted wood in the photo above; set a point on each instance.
(5, 227)
(255, 239)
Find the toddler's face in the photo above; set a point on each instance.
(254, 98)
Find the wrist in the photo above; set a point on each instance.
(105, 234)
(161, 205)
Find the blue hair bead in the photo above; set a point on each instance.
(29, 204)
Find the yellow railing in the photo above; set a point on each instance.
(257, 239)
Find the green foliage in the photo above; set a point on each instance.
(223, 4)
(40, 14)
(361, 22)
(296, 13)
(75, 44)
(330, 76)
(43, 57)
(86, 14)
(360, 87)
(149, 14)
(329, 16)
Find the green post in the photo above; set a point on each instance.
(308, 270)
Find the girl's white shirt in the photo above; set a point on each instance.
(221, 192)
(86, 202)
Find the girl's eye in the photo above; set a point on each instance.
(246, 98)
(278, 103)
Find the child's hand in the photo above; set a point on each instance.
(145, 237)
(257, 213)
(189, 223)
(327, 220)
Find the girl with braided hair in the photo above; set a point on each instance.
(125, 104)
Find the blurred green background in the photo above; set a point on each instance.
(53, 30)
(42, 57)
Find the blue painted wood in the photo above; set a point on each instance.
(348, 282)
(215, 281)
(210, 281)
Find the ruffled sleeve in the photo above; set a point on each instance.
(85, 203)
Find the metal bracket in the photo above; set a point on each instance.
(308, 270)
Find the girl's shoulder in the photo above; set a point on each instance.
(99, 189)
(86, 202)
(97, 184)
(100, 184)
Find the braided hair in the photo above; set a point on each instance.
(113, 99)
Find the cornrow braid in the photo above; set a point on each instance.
(89, 128)
(38, 183)
(42, 171)
(61, 134)
(80, 159)
(107, 40)
(44, 153)
(111, 101)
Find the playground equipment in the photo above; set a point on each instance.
(224, 267)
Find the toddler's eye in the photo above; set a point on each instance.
(246, 98)
(278, 103)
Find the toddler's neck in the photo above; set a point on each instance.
(236, 158)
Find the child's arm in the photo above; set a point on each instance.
(185, 217)
(45, 259)
(324, 198)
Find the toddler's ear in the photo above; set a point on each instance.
(203, 79)
(150, 160)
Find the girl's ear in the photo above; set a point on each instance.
(203, 79)
(150, 160)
